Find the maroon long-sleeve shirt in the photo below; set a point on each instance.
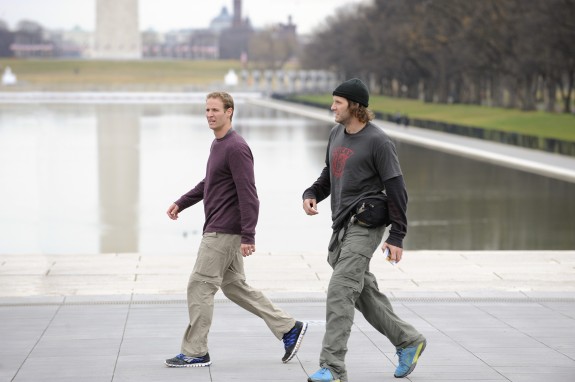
(231, 203)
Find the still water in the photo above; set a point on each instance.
(98, 178)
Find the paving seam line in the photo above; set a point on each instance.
(423, 299)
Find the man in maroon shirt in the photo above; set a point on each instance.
(231, 208)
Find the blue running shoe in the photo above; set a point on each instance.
(182, 360)
(292, 340)
(408, 359)
(322, 375)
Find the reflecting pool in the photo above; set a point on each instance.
(99, 178)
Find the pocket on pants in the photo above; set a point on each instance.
(211, 260)
(350, 270)
(359, 240)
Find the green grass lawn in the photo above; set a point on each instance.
(538, 123)
(59, 73)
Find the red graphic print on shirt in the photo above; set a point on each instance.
(338, 158)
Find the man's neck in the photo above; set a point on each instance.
(354, 126)
(223, 132)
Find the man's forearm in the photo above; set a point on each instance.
(397, 205)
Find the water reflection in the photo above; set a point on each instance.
(461, 203)
(90, 179)
(118, 177)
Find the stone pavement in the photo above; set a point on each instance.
(488, 316)
(453, 274)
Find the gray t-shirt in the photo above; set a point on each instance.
(358, 164)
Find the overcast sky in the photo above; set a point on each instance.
(164, 15)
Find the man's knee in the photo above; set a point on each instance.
(233, 288)
(201, 288)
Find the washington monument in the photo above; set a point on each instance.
(117, 30)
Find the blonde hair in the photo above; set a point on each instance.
(362, 113)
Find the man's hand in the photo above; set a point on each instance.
(395, 253)
(247, 249)
(310, 206)
(173, 211)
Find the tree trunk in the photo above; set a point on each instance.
(457, 89)
(566, 94)
(428, 90)
(551, 88)
(476, 90)
(497, 91)
(412, 90)
(443, 83)
(386, 87)
(528, 93)
(512, 88)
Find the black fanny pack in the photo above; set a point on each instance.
(371, 213)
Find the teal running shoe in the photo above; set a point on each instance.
(408, 359)
(322, 375)
(182, 360)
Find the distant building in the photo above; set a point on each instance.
(71, 43)
(117, 36)
(234, 41)
(6, 39)
(288, 30)
(30, 40)
(204, 45)
(222, 21)
(227, 37)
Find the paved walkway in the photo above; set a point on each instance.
(449, 274)
(488, 316)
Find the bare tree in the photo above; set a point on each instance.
(512, 53)
(6, 39)
(271, 49)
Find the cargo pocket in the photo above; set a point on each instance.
(360, 240)
(210, 261)
(350, 270)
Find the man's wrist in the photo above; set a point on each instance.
(395, 241)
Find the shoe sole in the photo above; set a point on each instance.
(189, 365)
(297, 344)
(415, 359)
(333, 380)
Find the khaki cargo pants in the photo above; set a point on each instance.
(220, 265)
(353, 285)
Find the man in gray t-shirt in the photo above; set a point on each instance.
(361, 162)
(360, 166)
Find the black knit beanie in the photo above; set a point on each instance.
(354, 90)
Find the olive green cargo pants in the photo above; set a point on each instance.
(353, 285)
